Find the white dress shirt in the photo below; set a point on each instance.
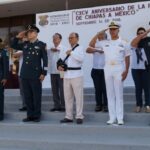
(53, 58)
(98, 58)
(75, 60)
(20, 60)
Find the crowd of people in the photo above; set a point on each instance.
(111, 62)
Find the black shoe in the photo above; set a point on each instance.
(98, 108)
(28, 119)
(65, 120)
(37, 119)
(55, 109)
(23, 109)
(79, 121)
(105, 109)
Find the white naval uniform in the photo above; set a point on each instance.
(115, 52)
(73, 84)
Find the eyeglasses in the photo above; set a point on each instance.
(72, 37)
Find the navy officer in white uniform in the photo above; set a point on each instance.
(117, 60)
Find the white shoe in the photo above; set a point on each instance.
(109, 122)
(120, 122)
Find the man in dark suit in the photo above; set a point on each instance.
(32, 71)
(4, 71)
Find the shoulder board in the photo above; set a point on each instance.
(41, 43)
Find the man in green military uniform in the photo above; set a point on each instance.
(33, 71)
(4, 70)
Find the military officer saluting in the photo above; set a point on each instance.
(33, 71)
(117, 60)
(4, 70)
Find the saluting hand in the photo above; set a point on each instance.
(148, 31)
(3, 82)
(103, 31)
(21, 35)
(42, 77)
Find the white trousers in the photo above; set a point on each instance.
(114, 87)
(73, 88)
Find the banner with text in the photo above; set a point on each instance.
(87, 22)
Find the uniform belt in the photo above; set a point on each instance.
(112, 63)
(74, 68)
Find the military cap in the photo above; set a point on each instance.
(113, 25)
(32, 28)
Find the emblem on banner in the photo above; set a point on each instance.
(43, 20)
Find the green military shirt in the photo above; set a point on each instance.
(35, 59)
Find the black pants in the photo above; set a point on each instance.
(33, 95)
(148, 71)
(57, 90)
(141, 78)
(100, 87)
(1, 101)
